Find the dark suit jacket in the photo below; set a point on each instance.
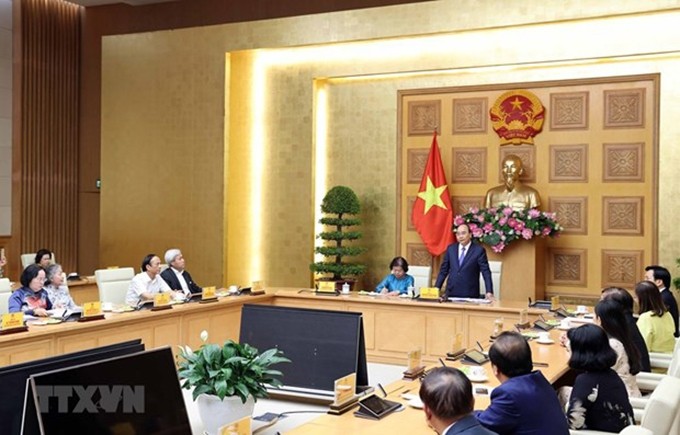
(469, 425)
(169, 276)
(672, 306)
(463, 280)
(525, 405)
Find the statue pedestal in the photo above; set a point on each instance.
(523, 273)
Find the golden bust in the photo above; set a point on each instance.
(513, 193)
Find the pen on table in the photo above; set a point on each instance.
(442, 361)
(481, 348)
(540, 364)
(382, 389)
(397, 389)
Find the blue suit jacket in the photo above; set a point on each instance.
(463, 280)
(525, 405)
(469, 426)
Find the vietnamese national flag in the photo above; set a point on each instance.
(432, 212)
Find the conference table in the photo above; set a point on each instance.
(392, 327)
(411, 419)
(180, 325)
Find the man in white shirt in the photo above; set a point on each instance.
(148, 283)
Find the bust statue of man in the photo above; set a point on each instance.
(513, 193)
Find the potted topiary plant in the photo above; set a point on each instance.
(227, 379)
(343, 203)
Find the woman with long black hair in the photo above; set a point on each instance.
(610, 316)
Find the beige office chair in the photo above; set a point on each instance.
(650, 381)
(663, 360)
(422, 275)
(28, 259)
(496, 269)
(4, 302)
(113, 284)
(5, 286)
(661, 414)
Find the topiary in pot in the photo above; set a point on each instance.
(342, 203)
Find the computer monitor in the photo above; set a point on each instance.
(322, 345)
(13, 378)
(138, 393)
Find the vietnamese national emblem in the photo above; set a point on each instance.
(517, 116)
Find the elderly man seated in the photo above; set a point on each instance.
(176, 275)
(525, 402)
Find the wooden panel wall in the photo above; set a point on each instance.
(48, 141)
(594, 163)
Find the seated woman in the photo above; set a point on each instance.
(625, 300)
(599, 400)
(57, 290)
(610, 316)
(655, 322)
(31, 298)
(43, 257)
(398, 281)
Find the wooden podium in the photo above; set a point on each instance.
(523, 271)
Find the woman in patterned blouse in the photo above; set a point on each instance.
(57, 289)
(599, 400)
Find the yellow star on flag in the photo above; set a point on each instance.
(432, 195)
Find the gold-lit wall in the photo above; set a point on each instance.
(302, 110)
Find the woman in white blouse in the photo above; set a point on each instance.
(57, 290)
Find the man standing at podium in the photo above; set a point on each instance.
(463, 262)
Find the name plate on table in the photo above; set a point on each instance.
(326, 287)
(415, 365)
(345, 388)
(209, 293)
(12, 320)
(554, 303)
(92, 311)
(238, 427)
(429, 293)
(161, 301)
(257, 288)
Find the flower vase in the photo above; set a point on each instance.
(216, 413)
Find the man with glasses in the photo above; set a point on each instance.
(463, 262)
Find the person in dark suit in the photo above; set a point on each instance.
(448, 402)
(176, 276)
(662, 278)
(525, 402)
(463, 262)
